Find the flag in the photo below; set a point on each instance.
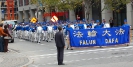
(54, 19)
(33, 20)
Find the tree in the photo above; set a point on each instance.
(116, 5)
(62, 5)
(48, 4)
(69, 4)
(88, 5)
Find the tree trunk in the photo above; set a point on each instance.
(72, 15)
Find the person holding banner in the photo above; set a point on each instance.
(60, 44)
(81, 25)
(93, 24)
(125, 23)
(103, 22)
(98, 24)
(106, 25)
(88, 27)
(76, 26)
(69, 28)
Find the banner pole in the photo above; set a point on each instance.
(130, 37)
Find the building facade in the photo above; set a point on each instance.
(26, 11)
(3, 9)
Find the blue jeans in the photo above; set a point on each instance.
(1, 44)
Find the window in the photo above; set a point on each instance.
(26, 2)
(20, 2)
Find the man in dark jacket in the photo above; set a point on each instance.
(60, 44)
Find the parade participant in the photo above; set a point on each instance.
(49, 33)
(76, 26)
(39, 32)
(106, 25)
(68, 39)
(98, 24)
(54, 29)
(85, 26)
(1, 38)
(125, 24)
(6, 39)
(93, 24)
(31, 30)
(103, 22)
(27, 28)
(60, 44)
(44, 32)
(88, 27)
(81, 25)
(72, 25)
(64, 30)
(33, 36)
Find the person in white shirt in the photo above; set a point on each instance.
(39, 32)
(72, 25)
(106, 25)
(49, 33)
(93, 24)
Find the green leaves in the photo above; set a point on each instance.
(116, 5)
(60, 4)
(69, 4)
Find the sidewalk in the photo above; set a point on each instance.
(14, 59)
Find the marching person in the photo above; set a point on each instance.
(60, 44)
(2, 38)
(6, 40)
(49, 33)
(39, 32)
(44, 32)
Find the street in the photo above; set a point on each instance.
(44, 55)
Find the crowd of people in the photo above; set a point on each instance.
(37, 32)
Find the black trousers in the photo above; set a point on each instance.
(111, 24)
(60, 54)
(1, 44)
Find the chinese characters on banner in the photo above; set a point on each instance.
(99, 37)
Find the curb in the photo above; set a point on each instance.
(30, 62)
